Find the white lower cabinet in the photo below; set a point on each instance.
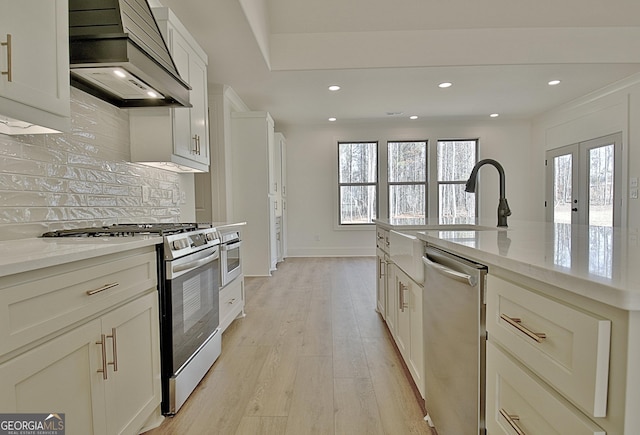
(557, 362)
(94, 355)
(381, 283)
(518, 402)
(407, 296)
(66, 375)
(231, 302)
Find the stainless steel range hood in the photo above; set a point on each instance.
(117, 54)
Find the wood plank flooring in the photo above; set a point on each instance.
(312, 356)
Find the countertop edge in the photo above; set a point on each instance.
(586, 287)
(71, 250)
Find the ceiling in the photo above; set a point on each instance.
(281, 55)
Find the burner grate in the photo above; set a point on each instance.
(126, 230)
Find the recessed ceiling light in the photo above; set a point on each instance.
(494, 115)
(445, 85)
(554, 82)
(332, 119)
(119, 73)
(334, 88)
(413, 117)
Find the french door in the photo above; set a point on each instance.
(584, 182)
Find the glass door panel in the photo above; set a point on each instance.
(601, 185)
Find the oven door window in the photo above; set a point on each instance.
(233, 259)
(194, 311)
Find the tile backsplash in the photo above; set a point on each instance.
(81, 178)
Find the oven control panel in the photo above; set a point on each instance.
(177, 245)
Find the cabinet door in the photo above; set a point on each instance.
(183, 144)
(416, 343)
(133, 382)
(403, 323)
(39, 54)
(59, 376)
(199, 111)
(381, 285)
(392, 298)
(190, 125)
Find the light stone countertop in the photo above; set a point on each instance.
(24, 255)
(600, 263)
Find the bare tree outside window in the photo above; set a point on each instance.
(456, 159)
(407, 178)
(357, 182)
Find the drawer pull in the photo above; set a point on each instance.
(512, 419)
(517, 323)
(103, 348)
(103, 288)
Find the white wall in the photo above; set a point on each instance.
(613, 109)
(312, 176)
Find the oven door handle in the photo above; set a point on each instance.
(195, 264)
(232, 246)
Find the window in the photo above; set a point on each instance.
(455, 160)
(357, 182)
(407, 179)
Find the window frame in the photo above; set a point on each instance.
(439, 183)
(376, 185)
(409, 183)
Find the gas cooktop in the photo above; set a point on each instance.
(127, 230)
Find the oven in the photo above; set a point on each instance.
(230, 257)
(189, 311)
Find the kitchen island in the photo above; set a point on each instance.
(563, 325)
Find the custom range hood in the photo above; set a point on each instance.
(117, 54)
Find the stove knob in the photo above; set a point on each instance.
(177, 245)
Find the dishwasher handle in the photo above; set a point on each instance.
(450, 273)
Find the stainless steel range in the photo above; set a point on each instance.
(189, 283)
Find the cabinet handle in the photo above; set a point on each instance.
(103, 348)
(9, 69)
(231, 301)
(380, 273)
(114, 347)
(103, 288)
(401, 289)
(517, 323)
(512, 419)
(194, 150)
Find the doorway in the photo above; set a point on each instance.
(584, 182)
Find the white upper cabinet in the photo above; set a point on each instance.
(176, 138)
(34, 60)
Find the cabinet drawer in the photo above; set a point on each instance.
(231, 302)
(573, 355)
(41, 302)
(517, 398)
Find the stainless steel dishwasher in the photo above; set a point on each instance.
(454, 313)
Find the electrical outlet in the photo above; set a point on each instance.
(633, 182)
(633, 194)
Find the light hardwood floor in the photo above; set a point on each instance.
(312, 356)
